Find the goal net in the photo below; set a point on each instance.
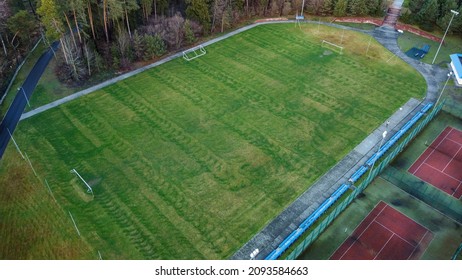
(194, 53)
(332, 46)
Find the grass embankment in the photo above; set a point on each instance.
(190, 159)
(33, 225)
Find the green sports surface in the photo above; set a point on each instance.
(189, 160)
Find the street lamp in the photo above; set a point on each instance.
(454, 13)
(445, 84)
(25, 96)
(384, 134)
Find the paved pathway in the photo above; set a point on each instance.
(11, 119)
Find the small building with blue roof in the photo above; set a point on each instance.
(456, 65)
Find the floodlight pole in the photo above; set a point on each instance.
(25, 96)
(445, 84)
(384, 134)
(454, 13)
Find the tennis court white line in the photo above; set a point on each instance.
(386, 228)
(442, 172)
(420, 241)
(394, 233)
(384, 245)
(361, 232)
(453, 157)
(432, 151)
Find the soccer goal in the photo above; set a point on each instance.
(194, 53)
(332, 46)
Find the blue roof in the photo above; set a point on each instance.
(457, 61)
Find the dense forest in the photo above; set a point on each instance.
(102, 35)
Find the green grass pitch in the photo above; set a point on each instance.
(190, 159)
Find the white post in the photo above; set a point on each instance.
(454, 13)
(25, 96)
(17, 147)
(368, 45)
(89, 189)
(49, 189)
(30, 163)
(445, 84)
(343, 33)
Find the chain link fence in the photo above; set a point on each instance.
(314, 234)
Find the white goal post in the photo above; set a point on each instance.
(193, 53)
(332, 46)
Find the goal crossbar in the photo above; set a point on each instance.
(332, 46)
(193, 53)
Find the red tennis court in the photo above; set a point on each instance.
(385, 234)
(441, 163)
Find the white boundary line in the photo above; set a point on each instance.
(355, 230)
(420, 241)
(454, 156)
(393, 233)
(433, 149)
(412, 164)
(384, 245)
(75, 225)
(445, 137)
(432, 167)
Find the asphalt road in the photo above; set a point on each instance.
(11, 119)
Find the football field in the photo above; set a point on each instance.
(190, 159)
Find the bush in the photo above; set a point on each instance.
(154, 46)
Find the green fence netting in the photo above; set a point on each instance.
(313, 235)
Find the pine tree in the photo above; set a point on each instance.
(327, 7)
(154, 46)
(198, 10)
(340, 9)
(51, 19)
(128, 7)
(446, 14)
(358, 7)
(146, 6)
(22, 24)
(138, 45)
(188, 32)
(428, 15)
(374, 7)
